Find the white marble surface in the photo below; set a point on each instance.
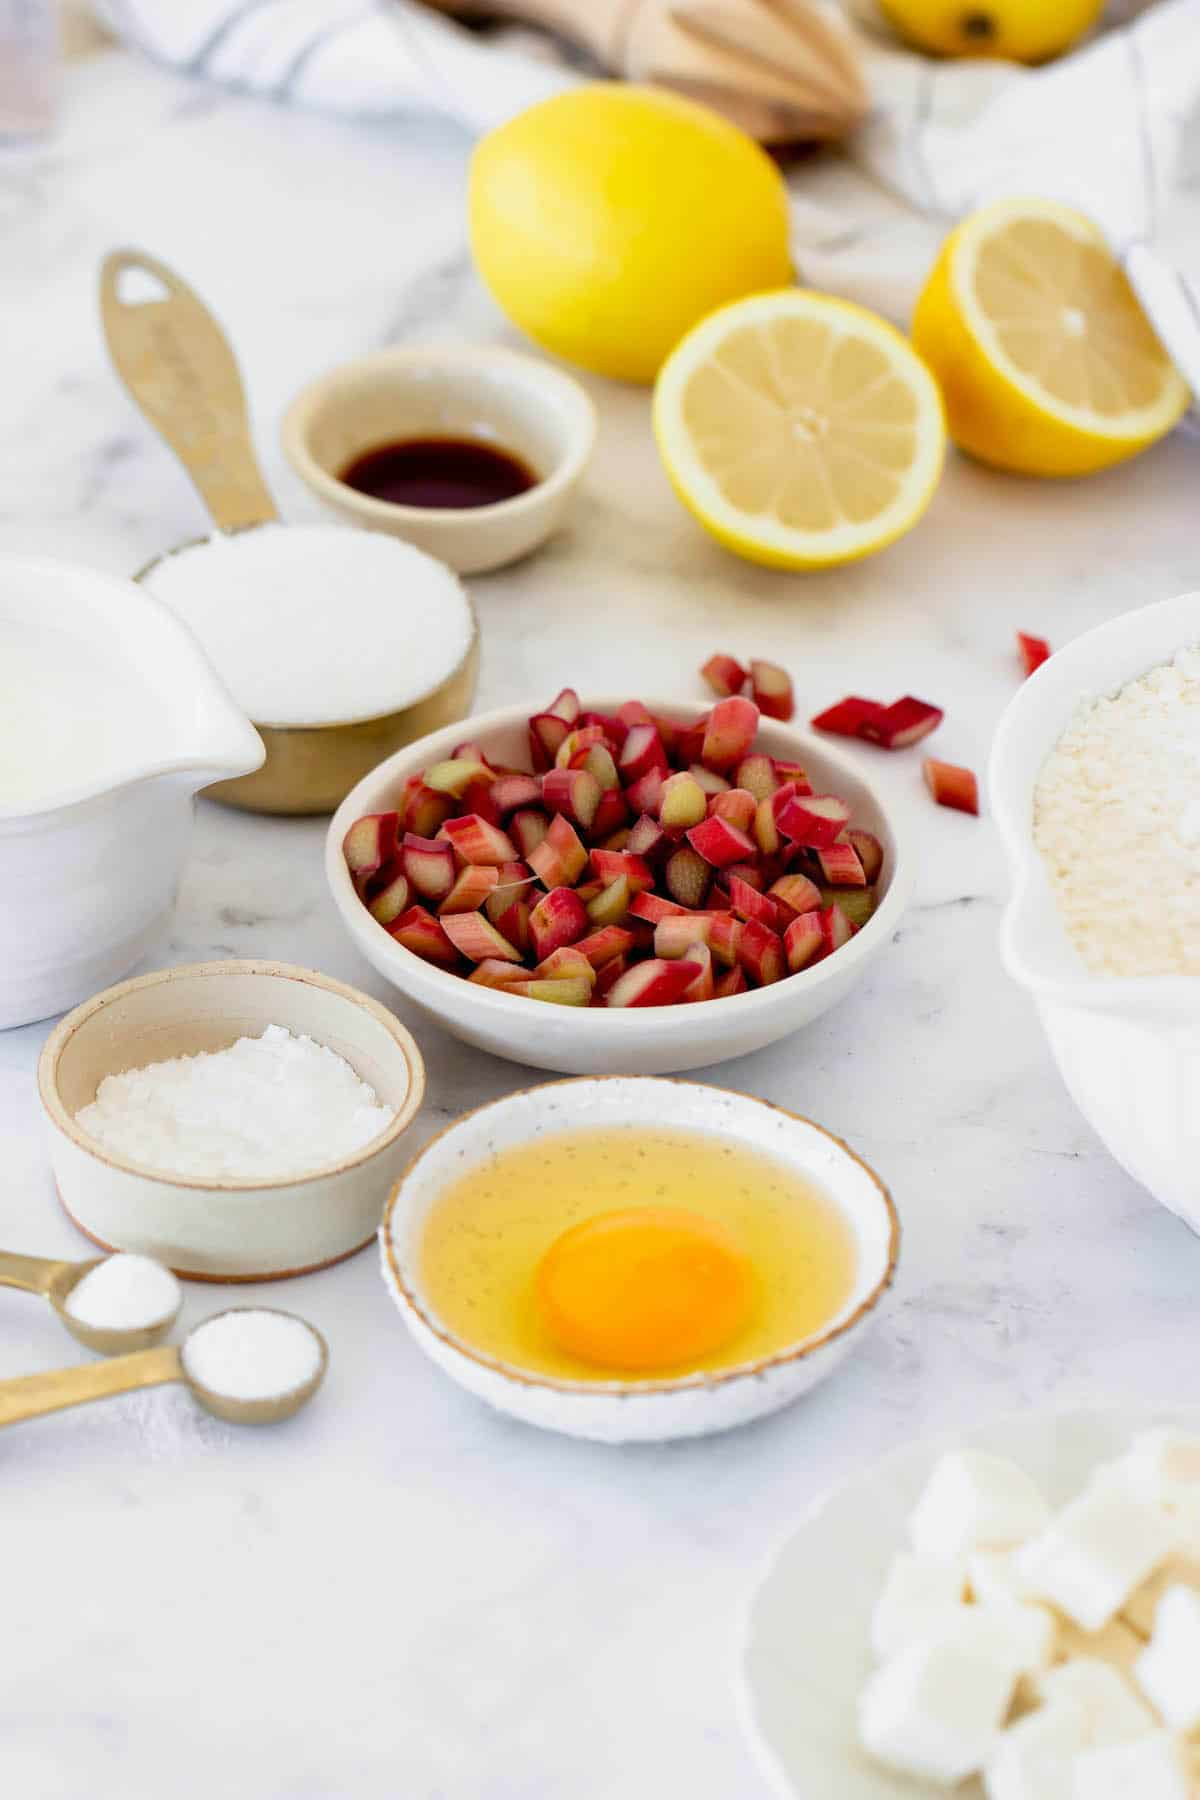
(397, 1593)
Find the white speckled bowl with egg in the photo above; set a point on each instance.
(1128, 1048)
(205, 1229)
(647, 1411)
(650, 1040)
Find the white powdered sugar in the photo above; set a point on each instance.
(252, 1354)
(317, 624)
(125, 1293)
(263, 1109)
(1117, 820)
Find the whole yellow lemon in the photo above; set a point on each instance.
(1027, 31)
(608, 220)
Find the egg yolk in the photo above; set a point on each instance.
(644, 1288)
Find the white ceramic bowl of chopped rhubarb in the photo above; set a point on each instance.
(637, 1039)
(1125, 1043)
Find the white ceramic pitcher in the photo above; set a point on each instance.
(90, 864)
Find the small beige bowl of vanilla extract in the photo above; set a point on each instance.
(471, 453)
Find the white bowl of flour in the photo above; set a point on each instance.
(1095, 782)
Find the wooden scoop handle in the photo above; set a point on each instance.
(176, 363)
(29, 1396)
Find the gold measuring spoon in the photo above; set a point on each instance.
(177, 365)
(56, 1281)
(29, 1396)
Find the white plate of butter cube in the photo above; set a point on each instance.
(1014, 1613)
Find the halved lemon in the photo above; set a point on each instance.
(1047, 362)
(799, 429)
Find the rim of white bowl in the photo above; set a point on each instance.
(404, 1287)
(414, 973)
(1056, 689)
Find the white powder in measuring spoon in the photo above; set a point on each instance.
(125, 1293)
(265, 1108)
(252, 1354)
(318, 624)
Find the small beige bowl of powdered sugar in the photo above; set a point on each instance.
(237, 1121)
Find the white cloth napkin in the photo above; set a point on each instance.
(1113, 129)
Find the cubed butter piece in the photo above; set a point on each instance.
(1114, 1712)
(1168, 1670)
(1141, 1608)
(920, 1596)
(1101, 1547)
(934, 1710)
(1033, 1758)
(1149, 1768)
(993, 1575)
(975, 1501)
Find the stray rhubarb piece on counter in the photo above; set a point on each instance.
(771, 688)
(803, 941)
(418, 931)
(812, 820)
(559, 918)
(848, 716)
(840, 866)
(559, 860)
(869, 851)
(724, 675)
(951, 785)
(904, 722)
(1034, 651)
(729, 733)
(653, 983)
(369, 844)
(475, 841)
(474, 886)
(429, 864)
(476, 938)
(687, 877)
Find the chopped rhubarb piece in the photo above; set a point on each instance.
(729, 734)
(608, 975)
(611, 904)
(653, 983)
(512, 791)
(724, 675)
(558, 918)
(766, 831)
(572, 792)
(634, 713)
(513, 881)
(475, 883)
(611, 813)
(793, 774)
(733, 981)
(683, 803)
(840, 866)
(725, 937)
(456, 775)
(720, 843)
(674, 937)
(771, 688)
(429, 864)
(528, 829)
(796, 894)
(641, 752)
(869, 851)
(757, 775)
(803, 940)
(684, 743)
(514, 925)
(813, 819)
(747, 903)
(559, 860)
(576, 745)
(857, 903)
(477, 938)
(652, 907)
(611, 865)
(418, 931)
(760, 952)
(496, 974)
(618, 841)
(391, 897)
(601, 946)
(615, 730)
(477, 798)
(565, 705)
(750, 873)
(849, 716)
(547, 733)
(951, 785)
(566, 963)
(571, 992)
(687, 876)
(712, 783)
(836, 928)
(646, 837)
(738, 806)
(1034, 651)
(370, 843)
(597, 759)
(423, 810)
(475, 841)
(645, 795)
(904, 722)
(470, 751)
(701, 987)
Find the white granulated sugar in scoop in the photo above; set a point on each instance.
(252, 1354)
(125, 1293)
(265, 1108)
(317, 624)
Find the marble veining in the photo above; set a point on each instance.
(397, 1592)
